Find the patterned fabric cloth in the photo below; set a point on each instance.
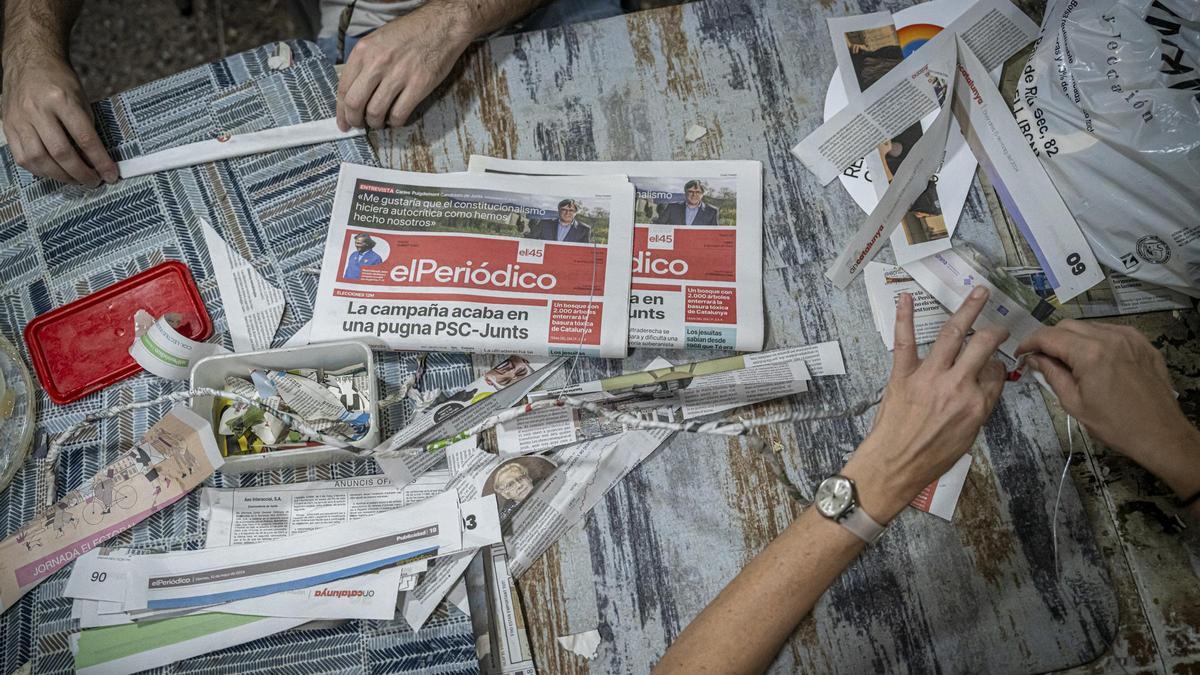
(59, 243)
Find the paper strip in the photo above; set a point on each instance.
(252, 305)
(237, 145)
(164, 351)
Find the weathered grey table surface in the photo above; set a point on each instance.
(980, 594)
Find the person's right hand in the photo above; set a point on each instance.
(1115, 383)
(49, 125)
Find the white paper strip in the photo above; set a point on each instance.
(237, 145)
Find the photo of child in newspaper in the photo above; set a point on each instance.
(545, 217)
(873, 52)
(513, 481)
(697, 202)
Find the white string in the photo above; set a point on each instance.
(1058, 497)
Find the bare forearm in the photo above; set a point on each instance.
(481, 17)
(743, 629)
(37, 28)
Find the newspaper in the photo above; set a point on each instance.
(582, 474)
(824, 358)
(993, 29)
(430, 528)
(174, 456)
(940, 497)
(556, 427)
(512, 655)
(866, 47)
(1116, 295)
(143, 646)
(251, 515)
(478, 263)
(947, 74)
(440, 424)
(949, 277)
(885, 283)
(251, 305)
(697, 248)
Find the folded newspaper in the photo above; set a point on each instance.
(950, 75)
(697, 248)
(478, 263)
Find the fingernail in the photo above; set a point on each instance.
(978, 292)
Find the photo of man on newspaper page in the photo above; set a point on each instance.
(697, 248)
(463, 262)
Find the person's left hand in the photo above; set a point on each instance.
(932, 408)
(390, 71)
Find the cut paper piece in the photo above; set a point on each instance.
(695, 133)
(282, 58)
(227, 146)
(164, 351)
(585, 644)
(941, 496)
(174, 456)
(885, 283)
(253, 307)
(142, 646)
(458, 597)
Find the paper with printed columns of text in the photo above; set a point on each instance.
(993, 29)
(696, 284)
(946, 69)
(885, 283)
(478, 263)
(252, 306)
(250, 515)
(428, 529)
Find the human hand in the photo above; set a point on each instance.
(1115, 383)
(48, 122)
(390, 71)
(932, 409)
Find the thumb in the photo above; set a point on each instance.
(1060, 379)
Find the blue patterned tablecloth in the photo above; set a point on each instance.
(59, 243)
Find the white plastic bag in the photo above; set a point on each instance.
(1110, 103)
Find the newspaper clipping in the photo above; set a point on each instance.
(697, 248)
(476, 263)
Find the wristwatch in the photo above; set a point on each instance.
(837, 500)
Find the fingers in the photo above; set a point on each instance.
(1063, 342)
(1060, 379)
(407, 102)
(379, 107)
(991, 380)
(35, 158)
(345, 81)
(83, 131)
(63, 153)
(904, 353)
(950, 338)
(354, 103)
(979, 350)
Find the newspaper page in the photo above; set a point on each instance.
(950, 277)
(1115, 296)
(866, 47)
(431, 528)
(697, 248)
(512, 655)
(250, 515)
(174, 456)
(993, 29)
(885, 283)
(252, 306)
(478, 263)
(556, 427)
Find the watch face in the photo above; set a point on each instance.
(834, 496)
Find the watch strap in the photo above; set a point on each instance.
(861, 525)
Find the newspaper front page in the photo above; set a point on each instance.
(478, 263)
(697, 250)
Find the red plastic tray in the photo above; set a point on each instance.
(83, 346)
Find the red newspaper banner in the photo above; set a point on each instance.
(575, 322)
(481, 263)
(706, 304)
(685, 254)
